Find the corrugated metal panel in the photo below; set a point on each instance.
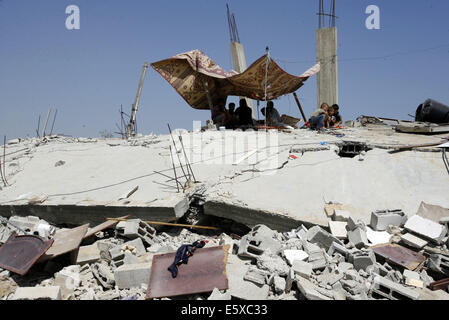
(20, 253)
(205, 271)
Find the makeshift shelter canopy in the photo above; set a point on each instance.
(192, 74)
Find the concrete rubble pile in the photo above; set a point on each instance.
(306, 263)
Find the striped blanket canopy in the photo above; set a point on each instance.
(191, 73)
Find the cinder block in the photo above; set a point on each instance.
(38, 293)
(136, 228)
(392, 290)
(321, 237)
(426, 228)
(120, 256)
(363, 260)
(132, 275)
(381, 219)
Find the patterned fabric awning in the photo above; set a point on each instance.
(193, 74)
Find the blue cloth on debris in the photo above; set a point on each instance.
(182, 255)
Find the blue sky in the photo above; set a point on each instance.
(87, 74)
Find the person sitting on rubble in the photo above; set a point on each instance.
(337, 120)
(272, 115)
(231, 119)
(219, 112)
(318, 119)
(244, 114)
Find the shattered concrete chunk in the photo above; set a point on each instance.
(358, 237)
(217, 295)
(302, 268)
(310, 291)
(321, 237)
(426, 228)
(132, 275)
(292, 255)
(37, 293)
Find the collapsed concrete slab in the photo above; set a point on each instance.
(37, 293)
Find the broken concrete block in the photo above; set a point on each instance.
(136, 228)
(391, 290)
(338, 229)
(256, 275)
(289, 280)
(7, 286)
(426, 228)
(321, 237)
(248, 250)
(309, 290)
(68, 279)
(413, 241)
(330, 208)
(257, 241)
(279, 284)
(358, 238)
(304, 269)
(236, 269)
(335, 247)
(88, 254)
(217, 295)
(274, 264)
(411, 274)
(292, 255)
(132, 275)
(301, 232)
(363, 260)
(341, 215)
(377, 237)
(381, 219)
(37, 293)
(438, 263)
(103, 273)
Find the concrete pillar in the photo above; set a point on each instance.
(326, 50)
(238, 57)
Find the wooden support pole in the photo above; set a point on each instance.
(170, 224)
(300, 108)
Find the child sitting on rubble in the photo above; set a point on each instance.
(330, 121)
(319, 118)
(231, 120)
(336, 118)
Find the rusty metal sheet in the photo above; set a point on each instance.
(105, 225)
(65, 241)
(20, 253)
(205, 271)
(440, 285)
(399, 255)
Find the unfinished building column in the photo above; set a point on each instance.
(326, 42)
